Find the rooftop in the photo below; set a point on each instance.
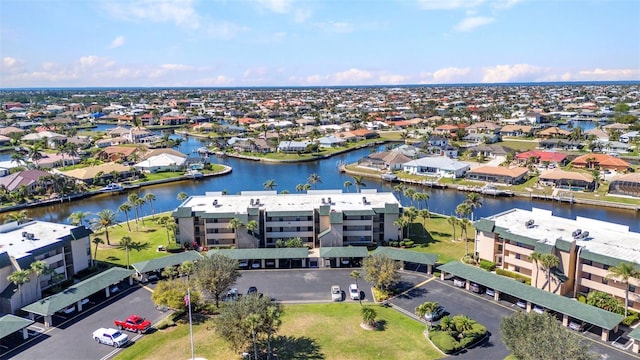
(44, 233)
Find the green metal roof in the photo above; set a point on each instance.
(391, 208)
(290, 213)
(407, 255)
(221, 215)
(563, 245)
(599, 258)
(269, 253)
(182, 212)
(564, 305)
(253, 211)
(11, 323)
(544, 248)
(484, 225)
(335, 218)
(359, 212)
(635, 334)
(347, 251)
(324, 210)
(163, 262)
(51, 304)
(505, 233)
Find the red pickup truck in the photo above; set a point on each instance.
(134, 323)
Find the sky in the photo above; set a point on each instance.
(253, 43)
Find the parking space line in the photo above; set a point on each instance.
(147, 288)
(413, 287)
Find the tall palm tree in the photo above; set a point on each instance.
(358, 182)
(347, 185)
(19, 217)
(39, 268)
(622, 273)
(182, 196)
(314, 179)
(169, 225)
(105, 219)
(411, 213)
(463, 210)
(97, 241)
(125, 207)
(453, 221)
(270, 184)
(78, 218)
(252, 226)
(234, 225)
(139, 202)
(300, 187)
(19, 278)
(150, 198)
(535, 258)
(401, 222)
(474, 200)
(464, 225)
(272, 323)
(408, 192)
(125, 243)
(253, 322)
(548, 262)
(133, 200)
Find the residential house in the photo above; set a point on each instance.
(161, 163)
(630, 136)
(330, 141)
(560, 144)
(116, 153)
(516, 130)
(625, 184)
(597, 134)
(439, 166)
(30, 179)
(481, 138)
(294, 146)
(484, 127)
(52, 138)
(106, 172)
(535, 118)
(602, 161)
(6, 166)
(561, 179)
(490, 151)
(448, 130)
(549, 158)
(65, 249)
(49, 160)
(498, 174)
(553, 132)
(388, 160)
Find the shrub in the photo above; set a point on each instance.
(173, 248)
(394, 243)
(468, 259)
(408, 243)
(514, 275)
(445, 342)
(631, 318)
(381, 295)
(582, 299)
(487, 265)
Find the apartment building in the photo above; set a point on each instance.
(585, 248)
(319, 218)
(65, 248)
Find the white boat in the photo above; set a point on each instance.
(113, 187)
(194, 174)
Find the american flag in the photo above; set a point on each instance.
(186, 299)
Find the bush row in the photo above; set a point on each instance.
(404, 243)
(514, 275)
(487, 265)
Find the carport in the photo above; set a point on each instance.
(276, 254)
(635, 335)
(11, 323)
(408, 256)
(563, 305)
(144, 267)
(76, 293)
(339, 253)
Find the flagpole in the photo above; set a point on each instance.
(190, 323)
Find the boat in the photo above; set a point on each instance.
(194, 174)
(113, 187)
(495, 191)
(389, 177)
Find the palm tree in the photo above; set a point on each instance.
(97, 241)
(548, 262)
(234, 225)
(453, 222)
(463, 210)
(78, 218)
(150, 198)
(19, 278)
(355, 275)
(133, 200)
(401, 222)
(271, 323)
(106, 219)
(270, 184)
(622, 273)
(182, 196)
(253, 323)
(186, 268)
(464, 225)
(358, 182)
(535, 258)
(368, 315)
(125, 207)
(125, 243)
(411, 213)
(169, 225)
(19, 217)
(39, 268)
(252, 226)
(347, 185)
(474, 200)
(314, 179)
(424, 214)
(408, 192)
(138, 203)
(427, 307)
(300, 187)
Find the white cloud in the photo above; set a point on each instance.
(351, 76)
(471, 23)
(11, 65)
(449, 4)
(510, 73)
(450, 75)
(609, 74)
(392, 79)
(180, 12)
(117, 42)
(224, 30)
(285, 7)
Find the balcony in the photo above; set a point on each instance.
(609, 288)
(594, 270)
(289, 223)
(518, 262)
(357, 222)
(517, 249)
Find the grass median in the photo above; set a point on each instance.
(317, 331)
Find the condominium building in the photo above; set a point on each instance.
(65, 248)
(585, 248)
(258, 219)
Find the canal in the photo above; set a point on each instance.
(251, 175)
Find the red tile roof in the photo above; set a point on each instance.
(550, 156)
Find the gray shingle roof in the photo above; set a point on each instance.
(11, 323)
(564, 305)
(407, 255)
(348, 251)
(163, 262)
(51, 304)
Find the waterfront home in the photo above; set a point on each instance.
(65, 249)
(49, 160)
(31, 179)
(484, 127)
(438, 166)
(330, 141)
(549, 158)
(498, 174)
(104, 172)
(53, 139)
(625, 184)
(389, 160)
(601, 161)
(553, 132)
(598, 134)
(535, 117)
(320, 218)
(630, 136)
(116, 153)
(560, 144)
(294, 146)
(161, 163)
(7, 131)
(586, 249)
(5, 140)
(572, 180)
(490, 151)
(6, 166)
(516, 130)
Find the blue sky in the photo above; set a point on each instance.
(68, 43)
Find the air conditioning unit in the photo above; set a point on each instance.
(30, 236)
(576, 233)
(529, 223)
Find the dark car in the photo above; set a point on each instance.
(478, 289)
(252, 290)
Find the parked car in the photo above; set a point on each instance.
(252, 290)
(521, 304)
(111, 337)
(459, 282)
(243, 264)
(134, 323)
(256, 264)
(270, 263)
(436, 314)
(539, 309)
(354, 292)
(232, 295)
(476, 288)
(114, 289)
(344, 262)
(577, 326)
(490, 292)
(68, 310)
(336, 293)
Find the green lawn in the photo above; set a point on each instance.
(437, 239)
(318, 331)
(519, 145)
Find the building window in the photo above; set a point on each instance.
(586, 276)
(500, 248)
(605, 267)
(517, 269)
(518, 256)
(605, 280)
(632, 288)
(586, 262)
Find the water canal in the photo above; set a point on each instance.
(251, 175)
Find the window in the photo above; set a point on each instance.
(500, 248)
(605, 281)
(605, 267)
(632, 288)
(517, 269)
(586, 262)
(518, 256)
(586, 276)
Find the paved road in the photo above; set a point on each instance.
(71, 339)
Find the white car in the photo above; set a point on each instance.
(336, 293)
(111, 337)
(354, 292)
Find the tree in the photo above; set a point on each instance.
(133, 200)
(150, 198)
(522, 335)
(535, 257)
(125, 207)
(464, 225)
(182, 196)
(234, 225)
(548, 262)
(355, 275)
(605, 301)
(19, 278)
(463, 210)
(126, 243)
(270, 184)
(382, 271)
(97, 241)
(347, 185)
(39, 268)
(474, 200)
(314, 179)
(401, 223)
(172, 294)
(215, 274)
(169, 225)
(427, 307)
(169, 272)
(78, 218)
(453, 221)
(186, 268)
(106, 219)
(19, 217)
(359, 182)
(368, 316)
(622, 273)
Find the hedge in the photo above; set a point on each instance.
(514, 275)
(487, 265)
(444, 341)
(631, 318)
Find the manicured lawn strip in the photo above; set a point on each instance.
(524, 145)
(437, 239)
(151, 233)
(330, 330)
